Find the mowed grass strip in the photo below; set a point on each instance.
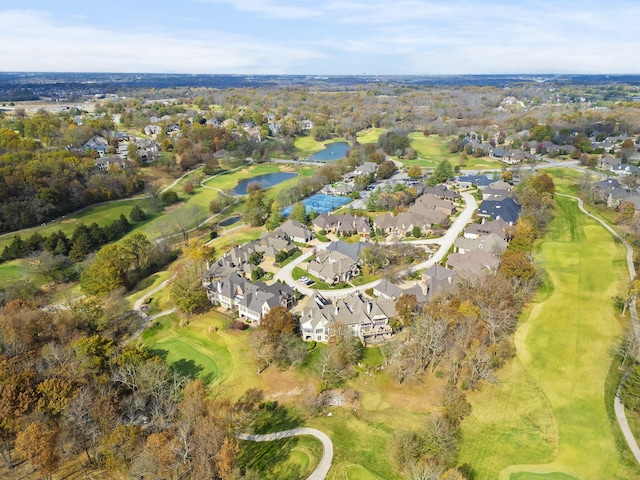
(562, 362)
(370, 135)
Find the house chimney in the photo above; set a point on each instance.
(336, 310)
(369, 307)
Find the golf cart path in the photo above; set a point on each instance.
(320, 473)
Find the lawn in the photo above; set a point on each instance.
(370, 135)
(549, 412)
(287, 459)
(433, 149)
(204, 348)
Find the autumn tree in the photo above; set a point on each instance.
(278, 321)
(414, 172)
(187, 293)
(37, 442)
(406, 306)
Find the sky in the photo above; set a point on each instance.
(325, 37)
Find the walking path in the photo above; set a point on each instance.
(137, 307)
(320, 473)
(445, 242)
(621, 416)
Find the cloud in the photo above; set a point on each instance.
(39, 44)
(270, 8)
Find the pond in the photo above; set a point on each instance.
(229, 221)
(267, 180)
(331, 153)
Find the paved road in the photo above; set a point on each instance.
(445, 242)
(320, 473)
(621, 415)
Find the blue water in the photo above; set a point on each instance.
(267, 180)
(320, 203)
(331, 153)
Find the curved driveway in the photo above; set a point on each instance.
(323, 467)
(445, 242)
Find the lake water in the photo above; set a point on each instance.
(267, 180)
(331, 153)
(229, 221)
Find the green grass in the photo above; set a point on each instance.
(548, 414)
(191, 350)
(364, 278)
(370, 135)
(287, 459)
(10, 271)
(541, 476)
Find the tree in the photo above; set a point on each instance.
(256, 208)
(169, 197)
(108, 271)
(119, 446)
(626, 213)
(415, 172)
(37, 443)
(48, 265)
(406, 306)
(386, 170)
(138, 249)
(278, 321)
(516, 264)
(630, 391)
(137, 214)
(374, 257)
(275, 218)
(299, 212)
(187, 187)
(442, 173)
(187, 293)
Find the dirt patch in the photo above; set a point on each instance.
(172, 208)
(69, 220)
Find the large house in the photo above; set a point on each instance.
(437, 278)
(294, 231)
(367, 319)
(491, 243)
(252, 300)
(473, 262)
(346, 224)
(506, 209)
(339, 262)
(498, 227)
(611, 191)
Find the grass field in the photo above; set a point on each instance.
(548, 414)
(433, 149)
(287, 459)
(370, 135)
